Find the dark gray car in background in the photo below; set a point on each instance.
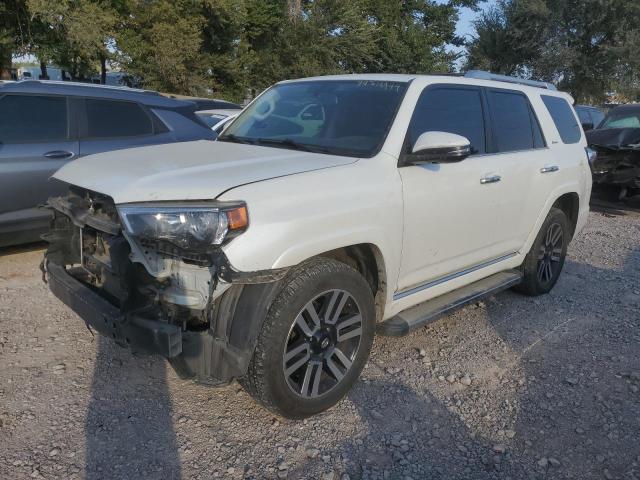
(45, 124)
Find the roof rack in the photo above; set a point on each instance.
(90, 85)
(482, 75)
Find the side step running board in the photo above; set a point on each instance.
(420, 315)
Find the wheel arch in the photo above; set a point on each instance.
(565, 198)
(368, 260)
(569, 203)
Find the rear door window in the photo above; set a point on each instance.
(563, 117)
(116, 119)
(453, 110)
(513, 124)
(33, 118)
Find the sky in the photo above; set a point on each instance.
(467, 16)
(464, 28)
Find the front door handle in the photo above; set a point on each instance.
(490, 179)
(549, 169)
(57, 154)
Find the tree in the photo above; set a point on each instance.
(585, 46)
(76, 34)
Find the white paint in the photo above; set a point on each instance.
(426, 221)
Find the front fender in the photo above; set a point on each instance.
(300, 216)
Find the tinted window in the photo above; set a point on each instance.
(512, 125)
(25, 119)
(538, 139)
(453, 110)
(106, 118)
(564, 119)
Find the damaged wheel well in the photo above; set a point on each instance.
(569, 203)
(367, 259)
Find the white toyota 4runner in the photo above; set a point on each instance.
(331, 209)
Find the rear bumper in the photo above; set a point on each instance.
(136, 333)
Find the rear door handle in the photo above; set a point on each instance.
(55, 154)
(549, 169)
(490, 179)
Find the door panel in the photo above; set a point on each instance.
(35, 141)
(520, 154)
(450, 218)
(25, 171)
(449, 209)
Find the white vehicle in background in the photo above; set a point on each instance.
(216, 119)
(34, 73)
(329, 210)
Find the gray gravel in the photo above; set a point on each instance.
(513, 387)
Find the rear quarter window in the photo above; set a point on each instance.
(563, 118)
(109, 119)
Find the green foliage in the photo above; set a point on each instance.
(588, 47)
(225, 47)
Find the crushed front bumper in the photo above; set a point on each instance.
(215, 356)
(139, 334)
(90, 266)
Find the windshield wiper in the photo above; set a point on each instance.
(230, 137)
(289, 143)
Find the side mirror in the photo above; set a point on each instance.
(439, 147)
(587, 126)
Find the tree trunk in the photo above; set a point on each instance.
(295, 10)
(5, 64)
(103, 70)
(43, 71)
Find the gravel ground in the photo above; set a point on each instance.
(513, 387)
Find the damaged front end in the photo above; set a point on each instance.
(618, 160)
(154, 296)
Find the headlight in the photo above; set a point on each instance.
(189, 227)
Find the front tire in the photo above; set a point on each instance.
(315, 340)
(543, 264)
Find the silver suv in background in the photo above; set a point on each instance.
(44, 125)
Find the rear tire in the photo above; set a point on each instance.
(314, 341)
(543, 264)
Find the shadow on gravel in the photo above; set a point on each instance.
(18, 249)
(578, 410)
(415, 436)
(129, 426)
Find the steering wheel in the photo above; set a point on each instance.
(270, 103)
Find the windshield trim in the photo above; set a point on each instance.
(337, 151)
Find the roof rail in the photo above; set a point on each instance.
(481, 74)
(86, 84)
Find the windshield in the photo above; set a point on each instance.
(622, 119)
(340, 117)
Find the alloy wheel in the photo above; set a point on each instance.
(550, 253)
(322, 344)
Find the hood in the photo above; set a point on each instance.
(199, 170)
(614, 138)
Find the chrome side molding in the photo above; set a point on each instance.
(451, 276)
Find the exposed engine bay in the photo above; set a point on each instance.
(151, 296)
(618, 161)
